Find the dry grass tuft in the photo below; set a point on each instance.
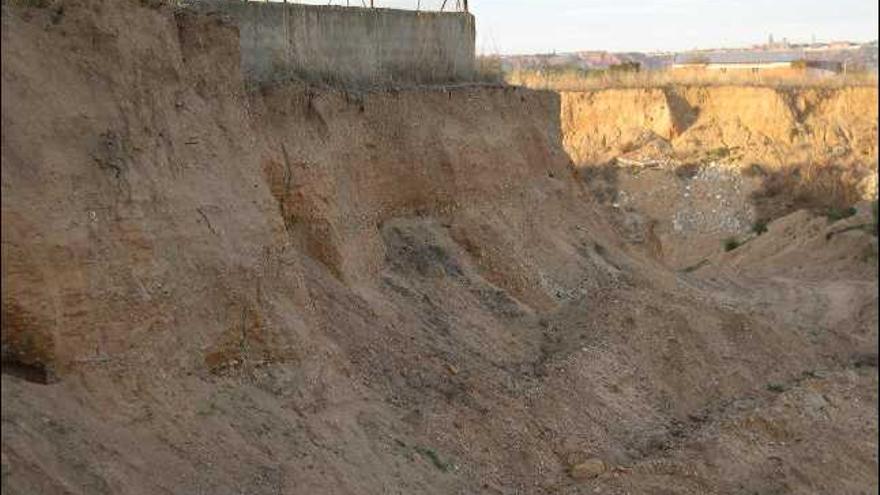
(577, 80)
(488, 69)
(37, 4)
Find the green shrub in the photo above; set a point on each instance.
(776, 387)
(835, 214)
(731, 243)
(760, 226)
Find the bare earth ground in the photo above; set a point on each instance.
(301, 290)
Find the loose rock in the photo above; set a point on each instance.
(588, 469)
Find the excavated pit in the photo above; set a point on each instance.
(303, 290)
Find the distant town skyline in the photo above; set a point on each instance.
(512, 26)
(545, 26)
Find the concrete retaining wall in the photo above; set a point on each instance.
(351, 45)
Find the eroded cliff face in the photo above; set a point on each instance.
(114, 139)
(146, 172)
(342, 166)
(303, 290)
(775, 127)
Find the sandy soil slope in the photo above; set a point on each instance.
(303, 290)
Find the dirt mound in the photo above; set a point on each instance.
(303, 290)
(807, 245)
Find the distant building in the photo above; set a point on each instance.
(773, 45)
(754, 61)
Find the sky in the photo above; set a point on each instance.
(543, 26)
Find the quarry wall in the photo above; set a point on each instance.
(350, 45)
(773, 127)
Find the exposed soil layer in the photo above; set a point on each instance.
(302, 290)
(773, 127)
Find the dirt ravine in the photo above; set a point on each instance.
(301, 290)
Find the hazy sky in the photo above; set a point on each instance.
(531, 26)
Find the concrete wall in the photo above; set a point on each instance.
(351, 45)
